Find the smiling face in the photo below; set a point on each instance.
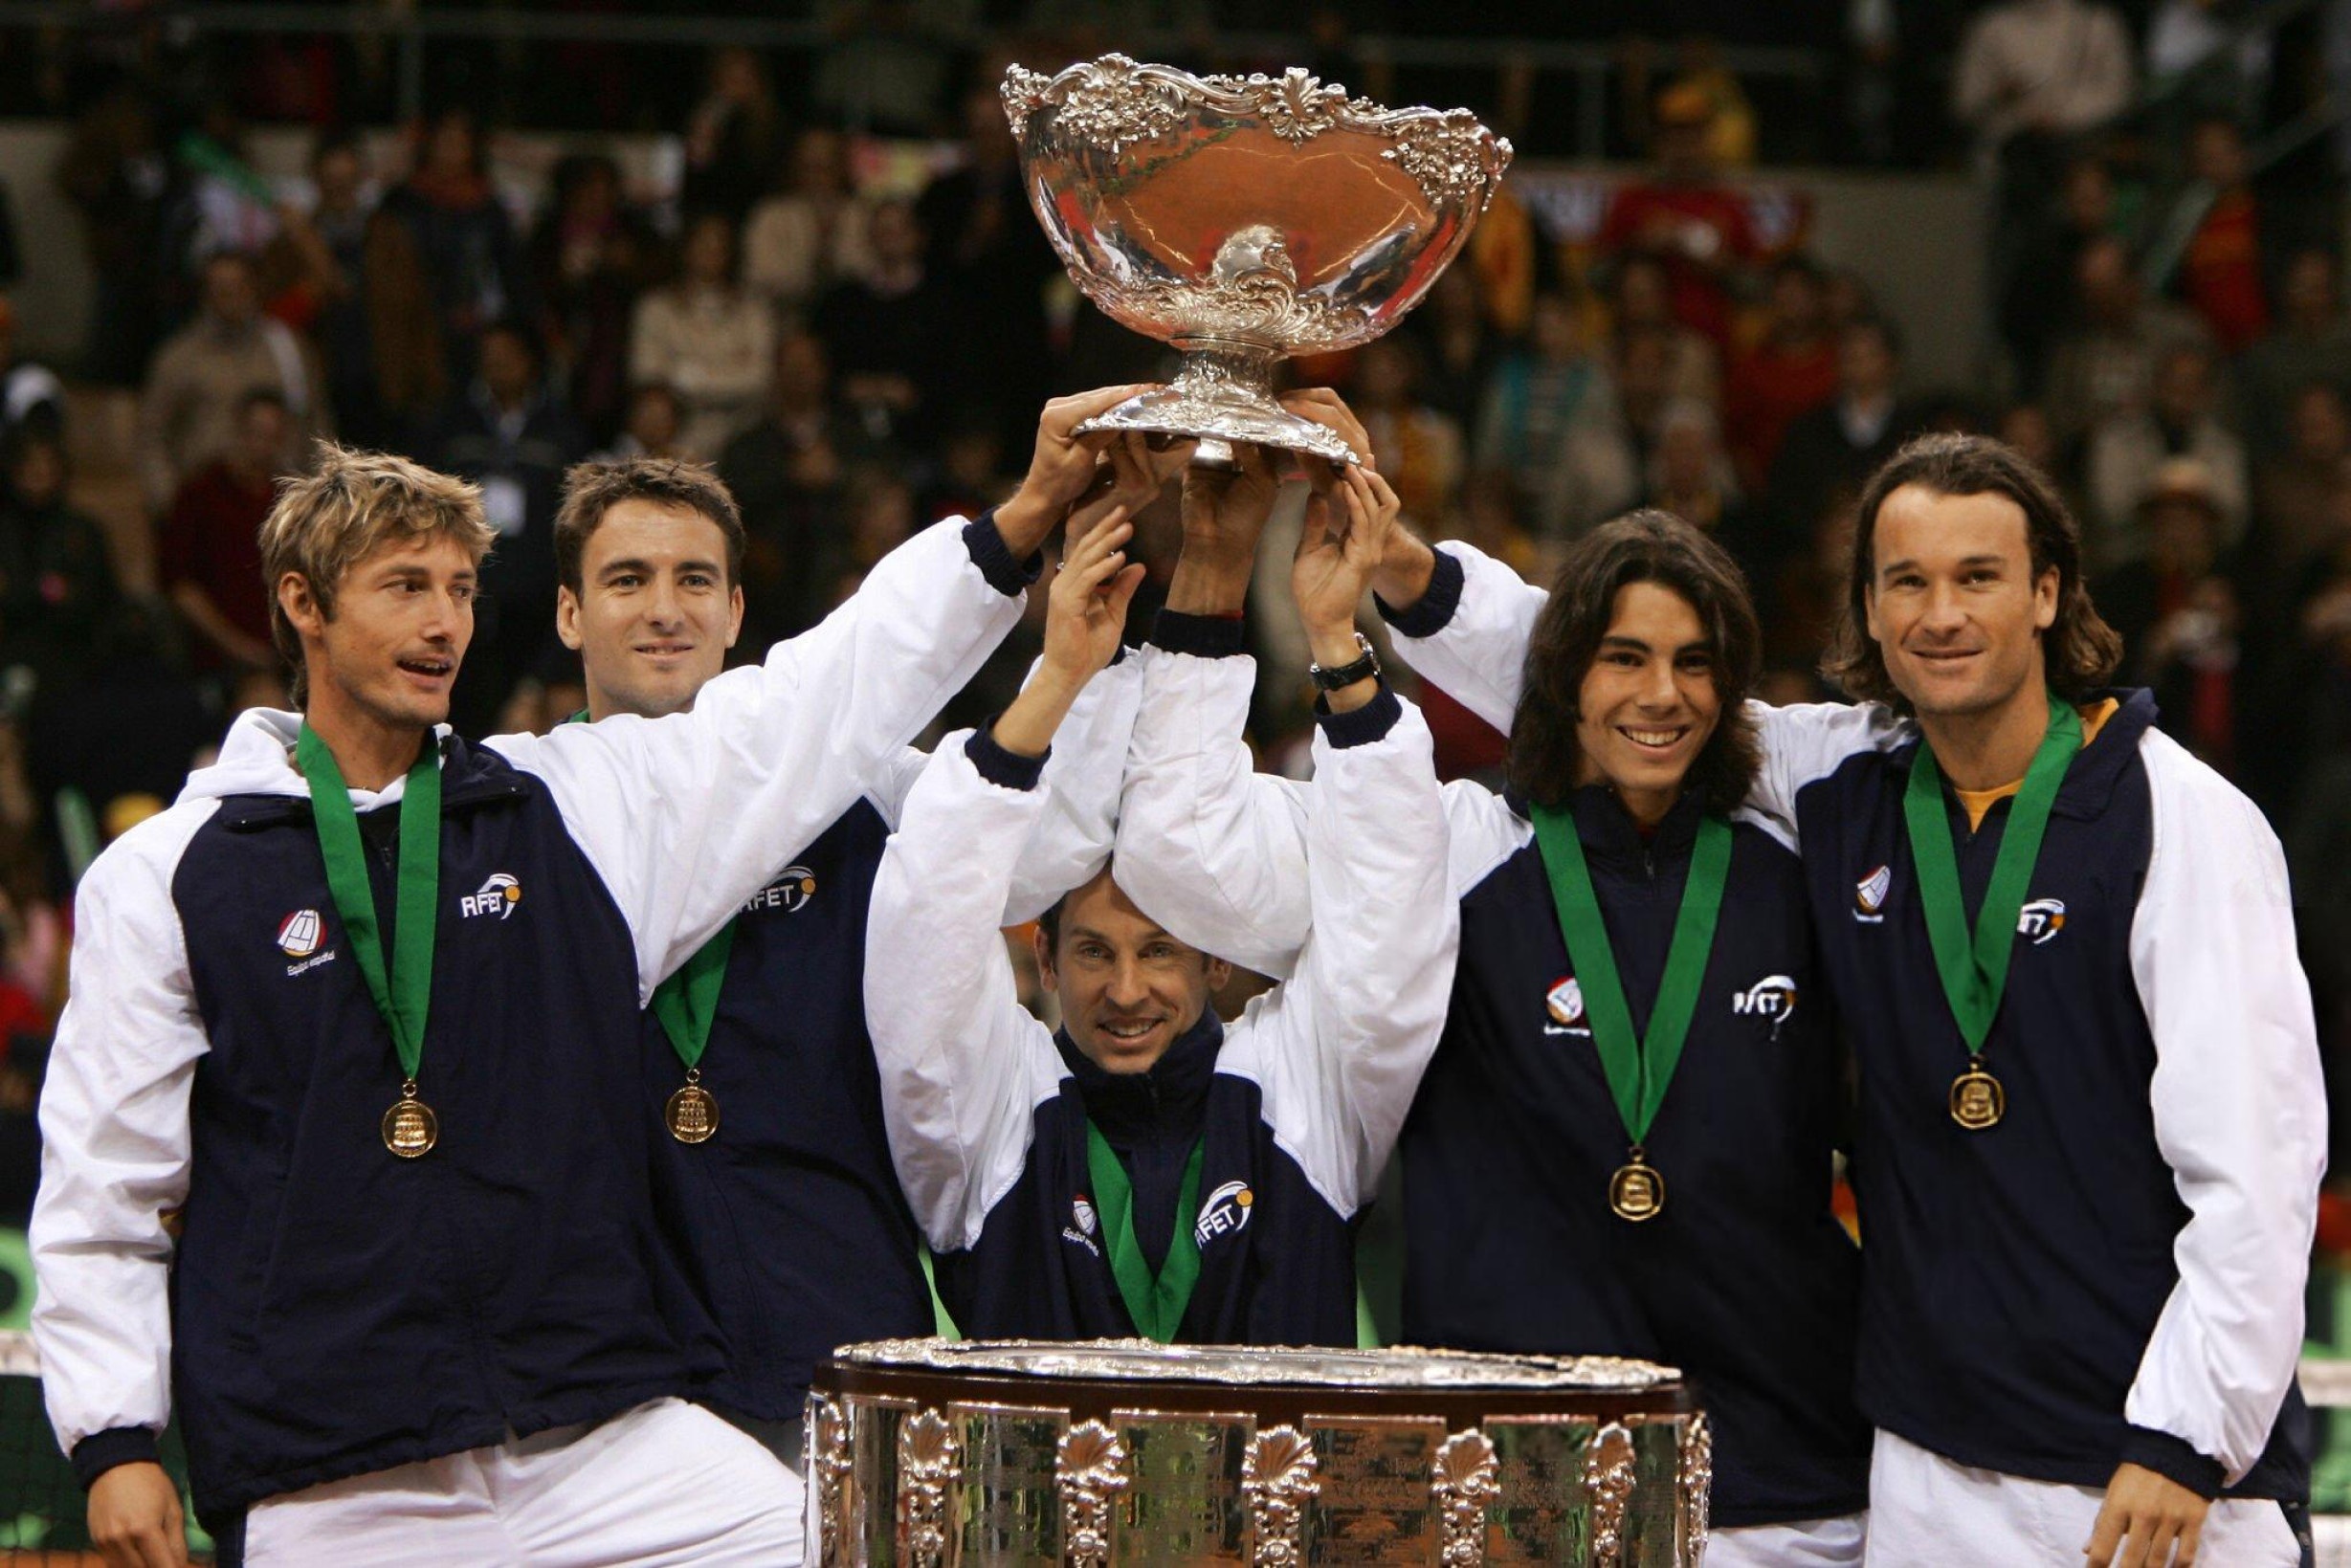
(1648, 702)
(402, 616)
(1128, 989)
(1954, 603)
(656, 613)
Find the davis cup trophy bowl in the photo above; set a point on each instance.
(1244, 220)
(924, 1453)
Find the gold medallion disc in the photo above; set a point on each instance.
(409, 1127)
(1636, 1192)
(1977, 1099)
(691, 1114)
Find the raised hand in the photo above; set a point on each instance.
(1328, 410)
(1339, 549)
(1085, 609)
(1128, 477)
(1062, 468)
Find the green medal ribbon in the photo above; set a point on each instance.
(1975, 972)
(1640, 1069)
(1156, 1303)
(688, 999)
(404, 996)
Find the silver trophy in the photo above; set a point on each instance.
(1243, 220)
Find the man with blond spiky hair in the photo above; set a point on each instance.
(345, 1157)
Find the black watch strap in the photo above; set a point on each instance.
(1362, 667)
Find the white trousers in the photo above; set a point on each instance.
(666, 1483)
(1926, 1512)
(1808, 1543)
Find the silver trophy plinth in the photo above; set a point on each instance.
(1243, 220)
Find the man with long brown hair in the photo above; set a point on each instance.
(2092, 1122)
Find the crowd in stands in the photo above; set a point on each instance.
(860, 356)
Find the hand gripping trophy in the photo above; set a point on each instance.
(1242, 221)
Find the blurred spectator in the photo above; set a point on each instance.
(325, 291)
(223, 203)
(880, 509)
(56, 581)
(734, 137)
(1691, 475)
(1418, 449)
(785, 472)
(130, 727)
(2106, 366)
(970, 478)
(30, 394)
(811, 235)
(1828, 451)
(2179, 613)
(1730, 119)
(1643, 367)
(1551, 425)
(510, 436)
(1790, 371)
(2311, 342)
(2038, 299)
(2298, 493)
(188, 415)
(2220, 274)
(651, 430)
(1683, 215)
(891, 337)
(712, 339)
(114, 173)
(588, 258)
(1644, 301)
(2133, 446)
(1457, 349)
(209, 552)
(990, 256)
(2186, 35)
(1874, 41)
(464, 236)
(2041, 70)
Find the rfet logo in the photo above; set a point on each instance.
(1773, 997)
(496, 897)
(1565, 1002)
(1869, 895)
(1226, 1213)
(2039, 921)
(790, 891)
(298, 934)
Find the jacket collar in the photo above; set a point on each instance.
(1168, 1097)
(2095, 770)
(256, 760)
(1610, 836)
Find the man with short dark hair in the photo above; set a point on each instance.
(2092, 1120)
(209, 549)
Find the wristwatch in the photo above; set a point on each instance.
(1362, 667)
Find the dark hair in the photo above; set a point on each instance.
(593, 489)
(1644, 546)
(1049, 923)
(2080, 649)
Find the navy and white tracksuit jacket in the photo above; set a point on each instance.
(329, 1310)
(789, 1219)
(2072, 1289)
(1298, 1101)
(1746, 1281)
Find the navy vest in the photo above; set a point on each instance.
(790, 1219)
(1745, 1281)
(2013, 1276)
(337, 1310)
(1276, 1261)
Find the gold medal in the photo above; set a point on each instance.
(409, 1127)
(693, 1112)
(1977, 1099)
(1636, 1192)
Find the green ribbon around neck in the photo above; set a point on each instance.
(1640, 1069)
(404, 996)
(1155, 1302)
(1975, 972)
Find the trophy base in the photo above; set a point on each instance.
(1222, 398)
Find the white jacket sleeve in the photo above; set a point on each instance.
(1214, 850)
(1072, 839)
(685, 817)
(963, 1063)
(115, 1142)
(1468, 634)
(1341, 1047)
(2240, 1112)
